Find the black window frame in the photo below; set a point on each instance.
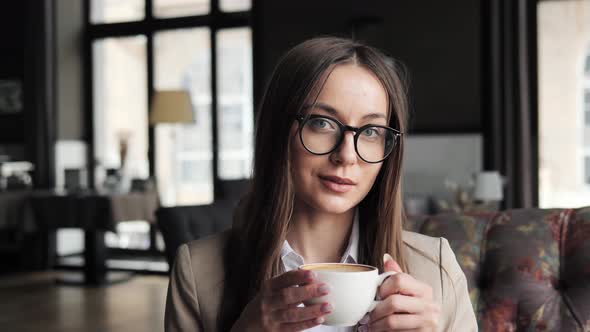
(215, 20)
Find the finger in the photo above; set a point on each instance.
(295, 295)
(302, 314)
(396, 322)
(302, 326)
(398, 303)
(292, 278)
(389, 264)
(404, 284)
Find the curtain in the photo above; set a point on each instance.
(509, 97)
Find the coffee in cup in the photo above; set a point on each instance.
(337, 267)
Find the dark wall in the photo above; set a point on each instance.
(26, 55)
(438, 42)
(12, 50)
(40, 45)
(12, 33)
(68, 40)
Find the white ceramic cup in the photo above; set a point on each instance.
(352, 290)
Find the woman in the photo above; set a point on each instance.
(326, 188)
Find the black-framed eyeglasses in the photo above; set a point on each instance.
(322, 135)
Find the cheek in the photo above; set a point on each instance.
(304, 169)
(370, 171)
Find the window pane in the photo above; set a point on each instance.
(235, 5)
(111, 11)
(184, 151)
(235, 116)
(562, 134)
(120, 106)
(176, 8)
(587, 172)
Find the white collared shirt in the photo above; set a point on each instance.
(292, 260)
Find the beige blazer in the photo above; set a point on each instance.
(196, 283)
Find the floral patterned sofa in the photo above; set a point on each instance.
(527, 269)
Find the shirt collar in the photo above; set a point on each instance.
(350, 254)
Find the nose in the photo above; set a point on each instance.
(345, 154)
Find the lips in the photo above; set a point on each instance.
(337, 179)
(337, 184)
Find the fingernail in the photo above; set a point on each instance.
(324, 289)
(326, 308)
(319, 320)
(363, 328)
(310, 275)
(387, 257)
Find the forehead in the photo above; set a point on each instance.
(354, 91)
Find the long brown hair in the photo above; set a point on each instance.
(252, 253)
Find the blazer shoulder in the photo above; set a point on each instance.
(416, 243)
(426, 252)
(422, 255)
(210, 245)
(432, 260)
(206, 259)
(206, 256)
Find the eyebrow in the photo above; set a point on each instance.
(334, 111)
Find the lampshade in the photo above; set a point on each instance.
(171, 106)
(488, 186)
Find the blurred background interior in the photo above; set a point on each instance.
(126, 128)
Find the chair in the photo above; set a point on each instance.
(182, 224)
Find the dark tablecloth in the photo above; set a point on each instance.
(92, 211)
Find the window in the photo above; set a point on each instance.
(157, 49)
(235, 5)
(234, 58)
(116, 11)
(564, 103)
(182, 59)
(178, 8)
(120, 98)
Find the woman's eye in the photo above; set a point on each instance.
(321, 124)
(371, 132)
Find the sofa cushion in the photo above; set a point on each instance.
(527, 269)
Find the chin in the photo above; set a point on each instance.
(334, 205)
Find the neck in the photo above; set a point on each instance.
(320, 237)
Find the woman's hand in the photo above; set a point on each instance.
(407, 304)
(275, 308)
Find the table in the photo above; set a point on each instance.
(95, 213)
(15, 211)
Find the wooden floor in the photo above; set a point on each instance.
(34, 302)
